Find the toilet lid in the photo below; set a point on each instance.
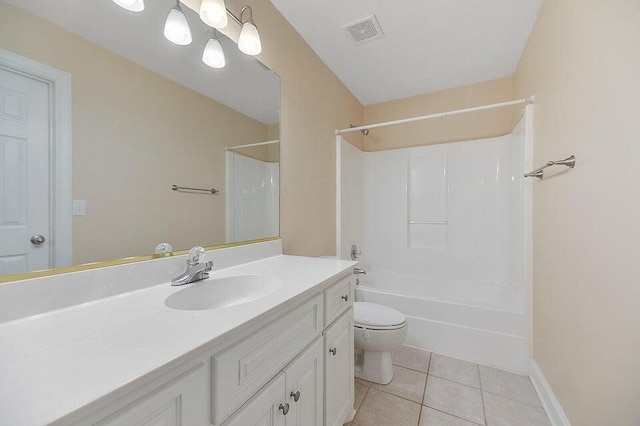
(374, 315)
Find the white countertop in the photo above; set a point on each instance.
(56, 363)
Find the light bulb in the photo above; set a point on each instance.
(132, 5)
(214, 13)
(213, 55)
(249, 41)
(176, 29)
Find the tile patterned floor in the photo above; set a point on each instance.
(435, 390)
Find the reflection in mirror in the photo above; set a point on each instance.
(144, 115)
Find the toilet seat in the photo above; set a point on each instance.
(377, 317)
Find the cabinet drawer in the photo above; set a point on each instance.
(337, 299)
(243, 368)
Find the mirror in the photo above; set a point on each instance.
(146, 116)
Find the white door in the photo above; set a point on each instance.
(24, 174)
(304, 380)
(338, 370)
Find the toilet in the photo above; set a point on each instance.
(378, 330)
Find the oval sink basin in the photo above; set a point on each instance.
(223, 292)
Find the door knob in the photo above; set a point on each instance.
(333, 351)
(37, 239)
(345, 297)
(284, 408)
(295, 395)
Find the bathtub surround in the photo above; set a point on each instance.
(442, 230)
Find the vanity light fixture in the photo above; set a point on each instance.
(214, 13)
(249, 41)
(176, 28)
(213, 55)
(132, 5)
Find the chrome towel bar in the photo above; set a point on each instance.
(569, 162)
(185, 188)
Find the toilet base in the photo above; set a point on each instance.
(374, 366)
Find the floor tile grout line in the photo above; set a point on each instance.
(484, 409)
(401, 397)
(360, 405)
(409, 368)
(454, 381)
(515, 400)
(453, 415)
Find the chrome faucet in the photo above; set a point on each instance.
(358, 271)
(196, 271)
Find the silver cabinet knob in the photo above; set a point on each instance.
(284, 408)
(295, 395)
(345, 297)
(37, 239)
(333, 351)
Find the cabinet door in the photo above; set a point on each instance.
(304, 384)
(264, 408)
(338, 370)
(182, 401)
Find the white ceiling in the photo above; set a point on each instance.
(429, 45)
(244, 84)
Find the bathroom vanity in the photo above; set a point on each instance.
(281, 357)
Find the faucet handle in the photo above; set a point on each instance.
(195, 255)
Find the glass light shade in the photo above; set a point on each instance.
(249, 41)
(214, 13)
(132, 5)
(176, 29)
(213, 55)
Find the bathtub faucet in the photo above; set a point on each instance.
(358, 271)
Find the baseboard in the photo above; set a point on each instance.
(547, 397)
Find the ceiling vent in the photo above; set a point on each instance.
(365, 29)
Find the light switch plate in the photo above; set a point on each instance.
(79, 207)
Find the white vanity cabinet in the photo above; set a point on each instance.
(179, 401)
(321, 377)
(295, 370)
(292, 398)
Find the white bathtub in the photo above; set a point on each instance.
(479, 322)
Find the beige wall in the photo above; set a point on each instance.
(477, 125)
(314, 103)
(583, 64)
(135, 134)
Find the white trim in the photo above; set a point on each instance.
(528, 220)
(338, 196)
(551, 405)
(229, 219)
(59, 83)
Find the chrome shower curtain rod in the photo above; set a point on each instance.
(436, 115)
